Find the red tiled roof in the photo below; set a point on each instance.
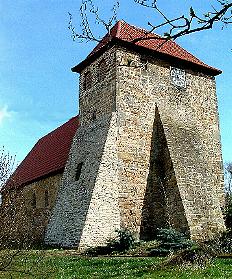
(49, 155)
(125, 32)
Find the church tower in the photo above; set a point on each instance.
(147, 154)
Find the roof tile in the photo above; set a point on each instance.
(49, 155)
(127, 33)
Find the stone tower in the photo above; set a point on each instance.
(148, 153)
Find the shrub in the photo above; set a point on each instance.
(122, 242)
(183, 250)
(225, 243)
(170, 241)
(228, 211)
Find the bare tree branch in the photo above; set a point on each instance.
(86, 10)
(184, 25)
(176, 27)
(7, 166)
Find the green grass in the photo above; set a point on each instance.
(67, 264)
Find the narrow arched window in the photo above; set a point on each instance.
(46, 198)
(33, 201)
(94, 115)
(101, 70)
(78, 171)
(87, 81)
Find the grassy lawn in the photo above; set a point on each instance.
(66, 264)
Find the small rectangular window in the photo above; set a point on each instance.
(78, 171)
(46, 198)
(144, 63)
(102, 70)
(33, 202)
(87, 81)
(94, 115)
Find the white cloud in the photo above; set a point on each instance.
(4, 113)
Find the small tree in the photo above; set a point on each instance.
(228, 193)
(13, 213)
(7, 166)
(14, 218)
(228, 177)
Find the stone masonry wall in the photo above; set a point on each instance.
(25, 212)
(100, 97)
(191, 184)
(51, 184)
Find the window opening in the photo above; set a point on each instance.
(94, 115)
(87, 81)
(78, 171)
(144, 63)
(102, 70)
(33, 200)
(46, 198)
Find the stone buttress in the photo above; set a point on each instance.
(87, 208)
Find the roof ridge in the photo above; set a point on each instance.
(143, 30)
(119, 28)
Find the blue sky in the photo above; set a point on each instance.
(38, 91)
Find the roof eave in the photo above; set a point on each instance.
(89, 59)
(9, 187)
